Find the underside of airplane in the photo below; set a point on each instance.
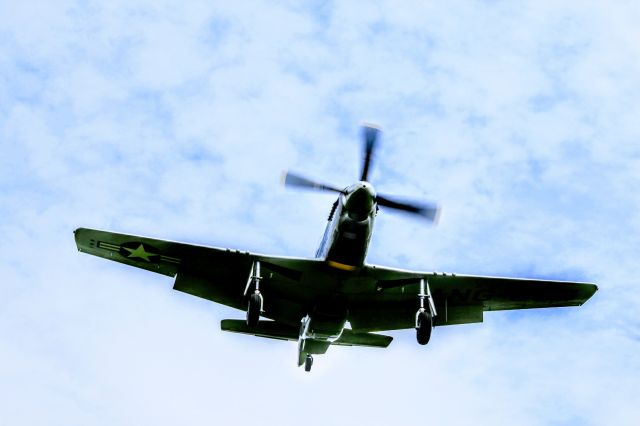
(335, 298)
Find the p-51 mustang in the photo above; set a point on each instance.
(335, 298)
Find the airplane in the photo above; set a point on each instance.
(335, 298)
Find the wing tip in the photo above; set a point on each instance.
(79, 230)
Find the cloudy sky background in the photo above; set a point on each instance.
(175, 121)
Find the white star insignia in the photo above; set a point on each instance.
(139, 252)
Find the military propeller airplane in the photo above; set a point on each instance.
(335, 298)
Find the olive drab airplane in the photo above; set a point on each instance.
(335, 298)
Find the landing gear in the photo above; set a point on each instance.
(254, 306)
(424, 324)
(424, 316)
(308, 362)
(253, 309)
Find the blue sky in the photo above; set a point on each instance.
(175, 121)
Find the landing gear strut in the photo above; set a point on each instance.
(424, 316)
(308, 362)
(254, 306)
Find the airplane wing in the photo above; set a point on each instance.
(459, 299)
(378, 298)
(216, 274)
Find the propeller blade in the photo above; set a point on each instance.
(370, 134)
(431, 212)
(291, 179)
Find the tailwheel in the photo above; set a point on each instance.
(253, 309)
(308, 362)
(424, 325)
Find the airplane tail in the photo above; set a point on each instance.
(280, 331)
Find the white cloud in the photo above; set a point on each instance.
(175, 121)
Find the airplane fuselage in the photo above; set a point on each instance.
(346, 238)
(344, 247)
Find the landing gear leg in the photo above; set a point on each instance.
(424, 316)
(254, 306)
(308, 362)
(304, 357)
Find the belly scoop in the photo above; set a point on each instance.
(323, 326)
(350, 243)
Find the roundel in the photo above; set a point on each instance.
(135, 250)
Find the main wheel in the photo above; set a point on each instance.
(253, 309)
(308, 362)
(424, 324)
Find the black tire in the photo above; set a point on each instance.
(424, 326)
(253, 310)
(308, 362)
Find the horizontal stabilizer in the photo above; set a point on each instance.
(276, 330)
(269, 329)
(350, 338)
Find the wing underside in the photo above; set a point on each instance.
(378, 298)
(459, 299)
(219, 275)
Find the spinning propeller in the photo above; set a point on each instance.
(370, 134)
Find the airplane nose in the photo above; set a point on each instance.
(360, 200)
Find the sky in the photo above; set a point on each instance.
(175, 120)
